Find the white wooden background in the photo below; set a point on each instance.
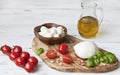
(19, 17)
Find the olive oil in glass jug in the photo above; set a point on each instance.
(88, 24)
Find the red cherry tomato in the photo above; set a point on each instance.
(17, 49)
(51, 54)
(33, 60)
(29, 67)
(67, 59)
(63, 48)
(25, 55)
(20, 61)
(6, 49)
(13, 56)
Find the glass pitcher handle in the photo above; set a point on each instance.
(101, 15)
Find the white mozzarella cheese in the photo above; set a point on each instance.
(85, 49)
(51, 32)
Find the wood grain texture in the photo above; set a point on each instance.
(79, 64)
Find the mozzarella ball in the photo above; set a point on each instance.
(53, 30)
(59, 31)
(41, 33)
(43, 29)
(48, 35)
(56, 35)
(85, 49)
(60, 28)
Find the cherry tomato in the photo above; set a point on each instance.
(67, 59)
(6, 49)
(20, 61)
(29, 67)
(13, 56)
(25, 55)
(51, 54)
(63, 48)
(17, 49)
(33, 60)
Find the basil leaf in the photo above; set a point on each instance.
(39, 51)
(99, 53)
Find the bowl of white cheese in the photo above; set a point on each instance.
(50, 33)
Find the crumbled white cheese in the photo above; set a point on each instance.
(85, 49)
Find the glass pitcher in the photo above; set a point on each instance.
(88, 24)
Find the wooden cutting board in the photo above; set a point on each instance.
(78, 65)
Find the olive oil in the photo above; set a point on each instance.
(88, 26)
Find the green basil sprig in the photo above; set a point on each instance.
(101, 57)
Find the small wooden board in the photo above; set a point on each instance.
(78, 65)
